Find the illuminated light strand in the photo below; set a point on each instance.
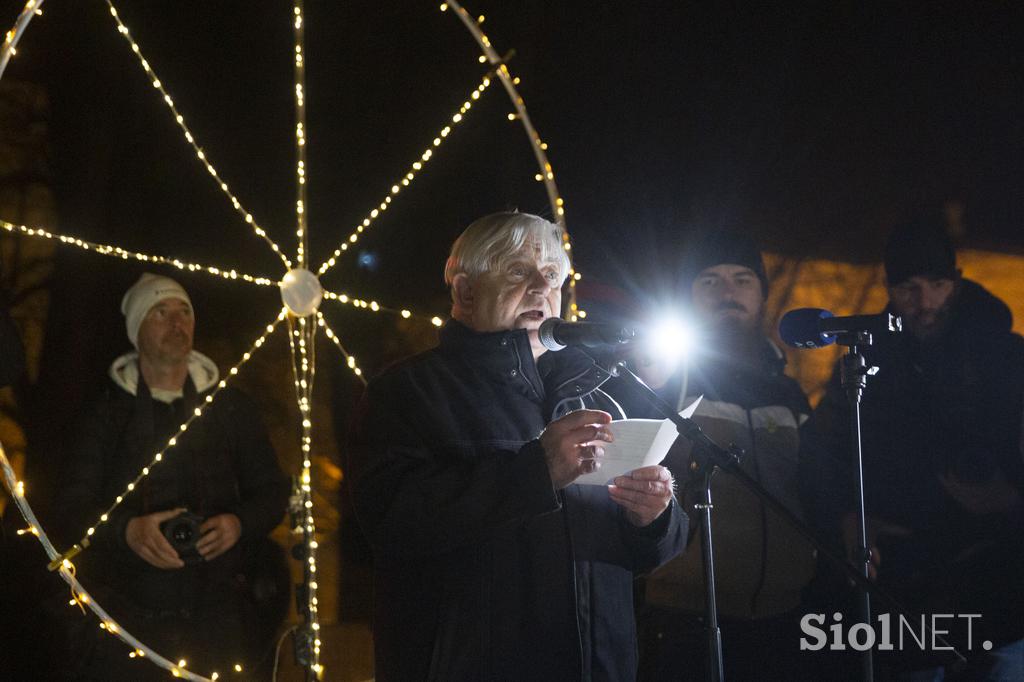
(302, 345)
(293, 334)
(124, 254)
(349, 359)
(302, 336)
(67, 573)
(301, 205)
(158, 457)
(77, 598)
(410, 175)
(9, 48)
(575, 313)
(375, 307)
(546, 172)
(307, 353)
(509, 82)
(190, 139)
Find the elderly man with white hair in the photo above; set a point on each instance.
(490, 563)
(190, 599)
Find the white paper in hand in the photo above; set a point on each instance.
(638, 443)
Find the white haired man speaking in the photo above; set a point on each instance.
(490, 563)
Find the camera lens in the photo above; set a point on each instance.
(182, 533)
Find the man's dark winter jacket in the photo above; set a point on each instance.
(951, 410)
(483, 571)
(762, 563)
(223, 463)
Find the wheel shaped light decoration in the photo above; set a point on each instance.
(301, 296)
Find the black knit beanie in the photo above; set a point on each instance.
(718, 247)
(922, 248)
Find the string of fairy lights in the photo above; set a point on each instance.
(302, 328)
(229, 274)
(410, 175)
(302, 338)
(375, 307)
(540, 148)
(190, 138)
(32, 8)
(350, 359)
(301, 231)
(80, 596)
(124, 254)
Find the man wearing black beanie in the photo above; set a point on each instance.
(943, 460)
(923, 280)
(762, 565)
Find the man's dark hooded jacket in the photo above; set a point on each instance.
(223, 463)
(483, 570)
(950, 408)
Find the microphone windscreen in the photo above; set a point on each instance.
(547, 334)
(799, 328)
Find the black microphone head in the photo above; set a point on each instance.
(547, 333)
(799, 328)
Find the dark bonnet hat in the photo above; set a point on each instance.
(921, 247)
(711, 248)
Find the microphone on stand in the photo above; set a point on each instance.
(556, 334)
(808, 328)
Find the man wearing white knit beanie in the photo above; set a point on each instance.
(176, 590)
(160, 310)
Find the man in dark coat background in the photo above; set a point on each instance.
(192, 605)
(943, 460)
(490, 563)
(762, 564)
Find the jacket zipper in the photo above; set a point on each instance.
(574, 379)
(521, 373)
(568, 536)
(764, 517)
(575, 585)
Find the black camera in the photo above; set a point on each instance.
(182, 532)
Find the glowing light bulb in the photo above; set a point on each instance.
(301, 292)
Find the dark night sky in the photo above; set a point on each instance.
(815, 126)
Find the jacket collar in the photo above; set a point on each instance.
(484, 348)
(124, 371)
(563, 374)
(569, 373)
(745, 381)
(767, 359)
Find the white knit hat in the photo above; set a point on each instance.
(143, 295)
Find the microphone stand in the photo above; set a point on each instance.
(707, 457)
(854, 373)
(703, 466)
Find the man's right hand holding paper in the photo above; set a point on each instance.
(572, 445)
